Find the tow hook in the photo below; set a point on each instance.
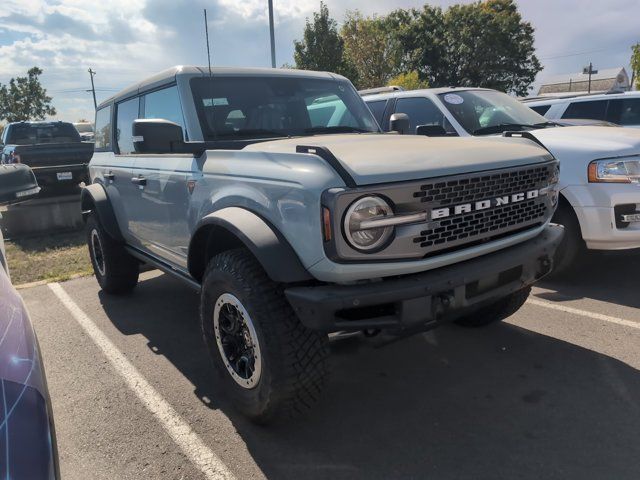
(441, 304)
(545, 266)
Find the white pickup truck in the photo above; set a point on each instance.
(600, 166)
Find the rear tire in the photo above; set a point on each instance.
(496, 312)
(116, 271)
(269, 364)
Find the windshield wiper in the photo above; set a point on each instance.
(546, 124)
(337, 129)
(501, 127)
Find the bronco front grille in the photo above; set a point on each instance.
(457, 212)
(451, 192)
(464, 229)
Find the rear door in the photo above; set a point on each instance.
(113, 171)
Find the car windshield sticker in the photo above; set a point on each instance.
(453, 99)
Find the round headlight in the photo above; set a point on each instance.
(363, 209)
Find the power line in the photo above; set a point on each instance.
(579, 53)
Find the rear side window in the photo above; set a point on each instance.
(591, 110)
(103, 129)
(377, 108)
(624, 111)
(541, 109)
(126, 113)
(164, 104)
(421, 111)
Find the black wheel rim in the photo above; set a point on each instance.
(98, 254)
(237, 341)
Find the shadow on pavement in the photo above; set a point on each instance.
(494, 403)
(609, 278)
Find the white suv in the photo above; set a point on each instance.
(599, 166)
(619, 108)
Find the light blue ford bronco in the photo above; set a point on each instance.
(276, 195)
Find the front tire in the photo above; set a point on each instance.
(572, 245)
(496, 312)
(269, 364)
(116, 271)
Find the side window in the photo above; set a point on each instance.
(541, 109)
(377, 108)
(624, 111)
(126, 113)
(421, 111)
(103, 129)
(590, 110)
(164, 104)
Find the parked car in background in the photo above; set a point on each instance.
(54, 150)
(620, 108)
(27, 434)
(599, 166)
(85, 129)
(294, 216)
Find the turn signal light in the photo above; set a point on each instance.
(326, 224)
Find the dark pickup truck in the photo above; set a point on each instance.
(54, 151)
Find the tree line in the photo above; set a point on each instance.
(486, 43)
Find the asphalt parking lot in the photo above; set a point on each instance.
(554, 392)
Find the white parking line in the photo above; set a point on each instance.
(584, 313)
(180, 431)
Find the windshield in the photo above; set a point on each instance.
(484, 112)
(232, 108)
(34, 133)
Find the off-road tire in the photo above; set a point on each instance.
(116, 271)
(572, 246)
(498, 311)
(294, 366)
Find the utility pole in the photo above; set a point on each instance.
(93, 89)
(273, 41)
(590, 71)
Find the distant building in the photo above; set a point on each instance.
(606, 80)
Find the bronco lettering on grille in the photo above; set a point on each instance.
(445, 212)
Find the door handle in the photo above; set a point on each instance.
(141, 181)
(109, 176)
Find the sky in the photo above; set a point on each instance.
(125, 41)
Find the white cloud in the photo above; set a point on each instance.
(127, 40)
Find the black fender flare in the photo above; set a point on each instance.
(94, 199)
(234, 227)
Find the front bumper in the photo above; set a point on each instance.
(424, 299)
(595, 206)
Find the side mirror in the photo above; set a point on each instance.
(17, 183)
(431, 130)
(399, 122)
(156, 136)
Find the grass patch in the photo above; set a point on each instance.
(56, 257)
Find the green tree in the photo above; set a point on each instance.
(485, 44)
(409, 81)
(635, 65)
(370, 49)
(321, 47)
(24, 98)
(421, 37)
